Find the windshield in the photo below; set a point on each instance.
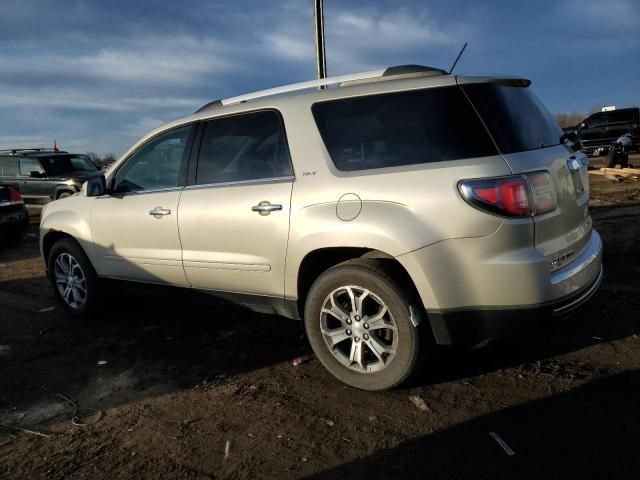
(515, 117)
(63, 164)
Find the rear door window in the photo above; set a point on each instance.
(515, 117)
(407, 128)
(243, 147)
(28, 165)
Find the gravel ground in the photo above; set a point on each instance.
(170, 384)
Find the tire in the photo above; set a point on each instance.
(64, 253)
(403, 347)
(64, 195)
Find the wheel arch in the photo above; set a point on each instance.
(60, 189)
(318, 261)
(52, 237)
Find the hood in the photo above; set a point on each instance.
(79, 176)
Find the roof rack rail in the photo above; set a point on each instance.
(402, 71)
(14, 151)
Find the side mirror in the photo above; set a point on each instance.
(37, 174)
(95, 187)
(572, 136)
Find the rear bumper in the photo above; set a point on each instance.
(13, 220)
(516, 298)
(472, 326)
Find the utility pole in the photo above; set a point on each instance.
(318, 21)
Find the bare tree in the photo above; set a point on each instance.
(569, 119)
(95, 158)
(103, 161)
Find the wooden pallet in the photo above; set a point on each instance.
(617, 174)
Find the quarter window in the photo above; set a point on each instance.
(156, 165)
(243, 147)
(407, 128)
(9, 167)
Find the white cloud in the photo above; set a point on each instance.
(144, 60)
(289, 47)
(75, 99)
(361, 39)
(610, 14)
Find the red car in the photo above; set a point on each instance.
(14, 217)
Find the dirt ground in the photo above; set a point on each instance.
(171, 384)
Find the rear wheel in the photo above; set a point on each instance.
(73, 278)
(358, 322)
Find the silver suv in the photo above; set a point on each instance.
(400, 209)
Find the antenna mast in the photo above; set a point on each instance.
(457, 58)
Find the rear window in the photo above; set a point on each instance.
(622, 116)
(406, 128)
(515, 117)
(66, 164)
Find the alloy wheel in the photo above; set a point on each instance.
(359, 329)
(70, 280)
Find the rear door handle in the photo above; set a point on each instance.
(265, 208)
(159, 211)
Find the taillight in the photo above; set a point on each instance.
(14, 196)
(544, 194)
(515, 196)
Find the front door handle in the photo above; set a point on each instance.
(265, 208)
(159, 212)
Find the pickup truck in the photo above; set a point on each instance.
(602, 129)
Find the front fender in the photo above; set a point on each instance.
(71, 216)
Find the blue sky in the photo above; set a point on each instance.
(96, 75)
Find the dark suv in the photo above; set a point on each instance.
(602, 129)
(44, 175)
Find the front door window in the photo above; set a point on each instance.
(156, 165)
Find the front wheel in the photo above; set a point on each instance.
(358, 322)
(73, 278)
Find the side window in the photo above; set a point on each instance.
(9, 167)
(156, 164)
(243, 147)
(408, 128)
(28, 165)
(621, 116)
(597, 120)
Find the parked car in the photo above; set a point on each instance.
(403, 208)
(14, 218)
(44, 175)
(602, 129)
